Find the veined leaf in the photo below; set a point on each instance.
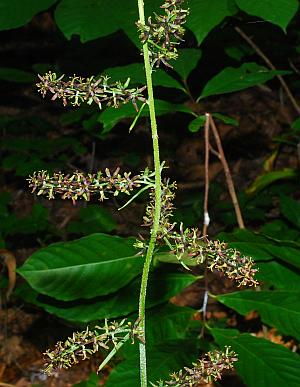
(290, 209)
(163, 359)
(110, 117)
(279, 13)
(92, 266)
(261, 363)
(161, 288)
(279, 275)
(264, 180)
(279, 309)
(205, 15)
(234, 79)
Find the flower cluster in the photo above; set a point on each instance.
(80, 186)
(188, 243)
(77, 90)
(165, 33)
(204, 371)
(83, 344)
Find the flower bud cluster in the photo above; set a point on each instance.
(83, 344)
(80, 186)
(165, 33)
(206, 370)
(77, 90)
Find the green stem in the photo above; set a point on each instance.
(155, 227)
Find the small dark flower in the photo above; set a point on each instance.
(77, 90)
(165, 33)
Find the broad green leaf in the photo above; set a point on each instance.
(279, 309)
(261, 248)
(279, 13)
(278, 229)
(92, 266)
(110, 117)
(264, 180)
(186, 62)
(226, 119)
(92, 219)
(168, 322)
(205, 15)
(16, 75)
(290, 209)
(16, 13)
(161, 288)
(136, 73)
(162, 359)
(234, 79)
(261, 363)
(279, 275)
(92, 19)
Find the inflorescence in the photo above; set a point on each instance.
(165, 33)
(77, 90)
(188, 243)
(83, 344)
(208, 369)
(80, 186)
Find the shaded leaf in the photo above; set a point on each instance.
(279, 309)
(290, 209)
(186, 62)
(16, 13)
(261, 363)
(16, 75)
(205, 15)
(233, 79)
(279, 13)
(161, 288)
(95, 265)
(110, 117)
(264, 180)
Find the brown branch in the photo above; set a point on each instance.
(228, 176)
(271, 66)
(206, 185)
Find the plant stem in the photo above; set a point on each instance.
(155, 226)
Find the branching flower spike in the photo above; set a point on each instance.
(77, 90)
(165, 33)
(204, 371)
(83, 344)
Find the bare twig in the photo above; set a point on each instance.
(271, 66)
(206, 218)
(228, 176)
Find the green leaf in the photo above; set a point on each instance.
(161, 288)
(95, 265)
(16, 13)
(205, 15)
(261, 248)
(226, 119)
(279, 309)
(93, 219)
(233, 79)
(93, 381)
(290, 208)
(110, 117)
(296, 124)
(136, 73)
(186, 62)
(280, 13)
(16, 75)
(94, 19)
(162, 359)
(197, 123)
(266, 179)
(168, 322)
(261, 363)
(279, 275)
